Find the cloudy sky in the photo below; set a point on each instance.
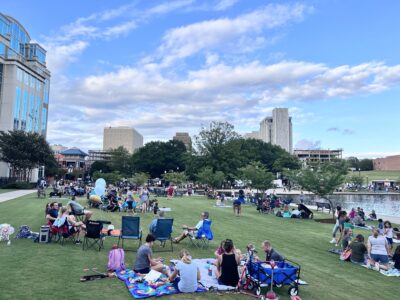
(167, 66)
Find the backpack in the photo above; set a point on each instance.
(346, 254)
(116, 260)
(24, 232)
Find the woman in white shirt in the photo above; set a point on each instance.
(378, 250)
(189, 274)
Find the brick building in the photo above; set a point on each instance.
(389, 163)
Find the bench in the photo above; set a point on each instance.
(322, 205)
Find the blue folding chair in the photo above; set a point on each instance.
(163, 231)
(130, 230)
(204, 235)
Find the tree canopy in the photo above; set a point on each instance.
(24, 151)
(257, 176)
(321, 178)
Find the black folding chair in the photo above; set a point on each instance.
(93, 233)
(130, 230)
(163, 231)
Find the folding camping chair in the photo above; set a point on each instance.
(163, 231)
(130, 230)
(93, 232)
(204, 235)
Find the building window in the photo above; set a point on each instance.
(17, 107)
(24, 109)
(19, 74)
(31, 113)
(37, 114)
(44, 120)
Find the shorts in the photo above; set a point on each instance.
(142, 271)
(384, 259)
(390, 241)
(237, 203)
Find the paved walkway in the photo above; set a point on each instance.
(15, 194)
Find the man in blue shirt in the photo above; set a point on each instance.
(192, 231)
(153, 224)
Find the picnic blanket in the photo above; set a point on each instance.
(139, 288)
(367, 227)
(391, 272)
(210, 282)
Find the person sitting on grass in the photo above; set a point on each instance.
(145, 261)
(271, 254)
(192, 231)
(220, 249)
(227, 265)
(347, 237)
(153, 224)
(396, 258)
(358, 221)
(76, 208)
(358, 250)
(372, 216)
(52, 213)
(74, 227)
(378, 250)
(186, 274)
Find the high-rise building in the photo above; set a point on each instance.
(184, 137)
(126, 137)
(252, 135)
(24, 82)
(276, 130)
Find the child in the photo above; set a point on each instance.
(155, 208)
(220, 249)
(380, 226)
(346, 241)
(396, 258)
(347, 224)
(388, 232)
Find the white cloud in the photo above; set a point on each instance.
(225, 4)
(60, 55)
(306, 144)
(187, 40)
(159, 104)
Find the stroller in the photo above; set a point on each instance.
(306, 213)
(260, 274)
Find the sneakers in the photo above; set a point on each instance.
(333, 241)
(376, 267)
(78, 242)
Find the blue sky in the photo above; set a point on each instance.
(167, 66)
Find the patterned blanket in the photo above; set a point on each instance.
(139, 288)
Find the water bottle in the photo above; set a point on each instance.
(210, 271)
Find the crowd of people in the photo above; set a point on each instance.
(378, 249)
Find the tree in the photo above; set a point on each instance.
(356, 181)
(176, 177)
(322, 179)
(209, 177)
(257, 176)
(156, 157)
(353, 162)
(121, 161)
(140, 178)
(23, 152)
(366, 164)
(210, 144)
(110, 178)
(101, 166)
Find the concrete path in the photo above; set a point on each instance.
(15, 194)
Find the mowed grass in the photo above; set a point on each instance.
(47, 271)
(378, 175)
(6, 190)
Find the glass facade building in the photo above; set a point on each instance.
(24, 81)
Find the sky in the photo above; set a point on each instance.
(168, 66)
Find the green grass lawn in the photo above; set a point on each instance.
(379, 175)
(50, 271)
(6, 190)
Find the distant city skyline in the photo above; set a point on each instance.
(172, 66)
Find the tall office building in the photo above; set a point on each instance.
(277, 129)
(126, 137)
(24, 82)
(184, 137)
